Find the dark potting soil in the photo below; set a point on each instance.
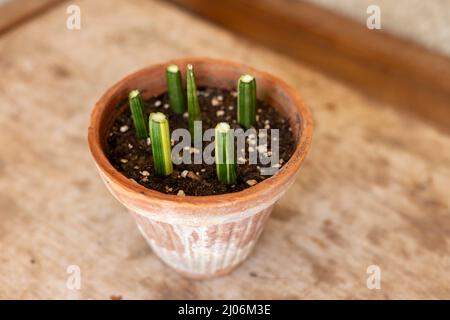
(133, 156)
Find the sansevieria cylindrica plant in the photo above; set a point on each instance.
(246, 101)
(175, 88)
(225, 159)
(160, 140)
(192, 100)
(137, 113)
(158, 125)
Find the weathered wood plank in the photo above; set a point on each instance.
(374, 189)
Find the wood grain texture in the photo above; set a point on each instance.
(16, 12)
(374, 189)
(388, 68)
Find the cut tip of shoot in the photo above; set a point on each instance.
(190, 67)
(134, 93)
(223, 127)
(158, 117)
(173, 68)
(246, 78)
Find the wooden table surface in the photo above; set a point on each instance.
(373, 191)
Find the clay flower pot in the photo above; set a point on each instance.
(207, 235)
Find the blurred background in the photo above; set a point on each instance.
(422, 22)
(373, 191)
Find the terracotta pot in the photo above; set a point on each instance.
(209, 235)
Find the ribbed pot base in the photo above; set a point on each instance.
(203, 251)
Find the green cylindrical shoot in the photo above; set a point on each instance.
(160, 140)
(246, 101)
(192, 100)
(175, 88)
(225, 162)
(137, 113)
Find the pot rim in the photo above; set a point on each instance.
(252, 193)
